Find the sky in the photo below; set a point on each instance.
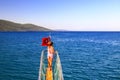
(75, 15)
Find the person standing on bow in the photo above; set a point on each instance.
(50, 54)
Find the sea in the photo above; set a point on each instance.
(84, 55)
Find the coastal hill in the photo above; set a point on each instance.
(12, 26)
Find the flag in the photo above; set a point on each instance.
(45, 40)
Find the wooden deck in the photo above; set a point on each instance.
(49, 75)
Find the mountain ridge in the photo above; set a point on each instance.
(6, 25)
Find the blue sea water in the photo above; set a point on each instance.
(84, 55)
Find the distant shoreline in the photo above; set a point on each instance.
(69, 31)
(12, 26)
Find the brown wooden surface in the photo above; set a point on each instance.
(49, 75)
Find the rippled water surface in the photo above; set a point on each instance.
(84, 55)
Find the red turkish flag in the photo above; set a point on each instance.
(45, 40)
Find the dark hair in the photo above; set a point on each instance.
(51, 43)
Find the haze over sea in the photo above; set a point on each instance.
(84, 55)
